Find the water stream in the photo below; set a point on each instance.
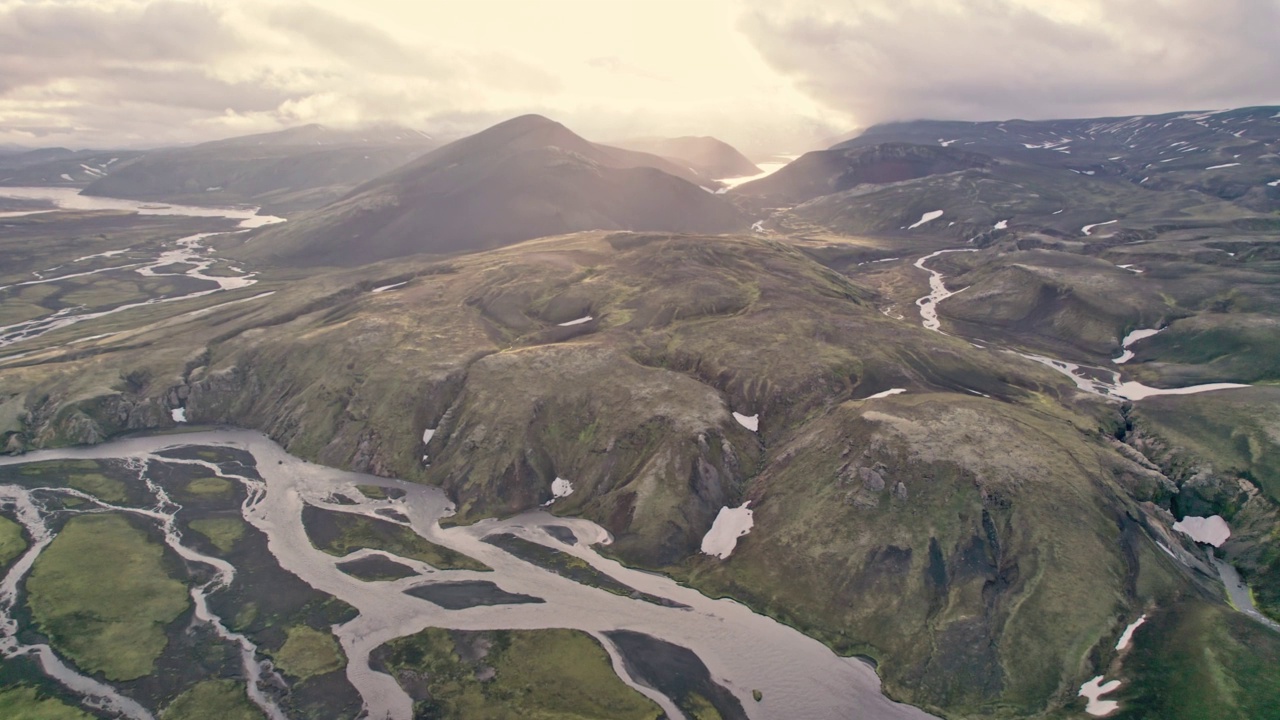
(187, 251)
(798, 676)
(33, 518)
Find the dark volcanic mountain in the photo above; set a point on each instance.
(829, 171)
(1231, 154)
(524, 178)
(297, 169)
(705, 155)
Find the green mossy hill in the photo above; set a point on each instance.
(980, 553)
(634, 408)
(510, 675)
(1195, 661)
(1045, 298)
(1223, 450)
(102, 593)
(341, 534)
(1219, 347)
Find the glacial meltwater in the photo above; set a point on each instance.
(796, 676)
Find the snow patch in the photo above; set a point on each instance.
(427, 435)
(579, 321)
(1132, 338)
(1219, 167)
(1002, 225)
(887, 393)
(1274, 183)
(750, 422)
(927, 217)
(1212, 530)
(1127, 636)
(561, 488)
(730, 524)
(67, 177)
(1093, 691)
(385, 288)
(179, 415)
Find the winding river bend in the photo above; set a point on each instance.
(797, 676)
(186, 252)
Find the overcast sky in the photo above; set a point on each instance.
(763, 74)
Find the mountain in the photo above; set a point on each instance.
(1231, 154)
(824, 172)
(60, 166)
(284, 172)
(707, 156)
(524, 178)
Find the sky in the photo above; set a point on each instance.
(766, 75)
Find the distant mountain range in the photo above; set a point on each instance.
(524, 178)
(284, 172)
(706, 156)
(1231, 154)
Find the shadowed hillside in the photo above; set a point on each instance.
(524, 178)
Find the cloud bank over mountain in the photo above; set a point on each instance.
(882, 60)
(765, 76)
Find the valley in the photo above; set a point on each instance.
(911, 428)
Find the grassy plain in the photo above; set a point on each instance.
(535, 675)
(103, 595)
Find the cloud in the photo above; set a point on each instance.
(46, 42)
(104, 72)
(879, 60)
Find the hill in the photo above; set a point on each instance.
(1230, 154)
(60, 166)
(830, 171)
(284, 172)
(527, 177)
(707, 156)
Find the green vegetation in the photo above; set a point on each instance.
(87, 476)
(373, 492)
(223, 532)
(98, 485)
(340, 534)
(535, 674)
(12, 542)
(210, 487)
(101, 592)
(1209, 444)
(1196, 661)
(213, 700)
(26, 703)
(308, 652)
